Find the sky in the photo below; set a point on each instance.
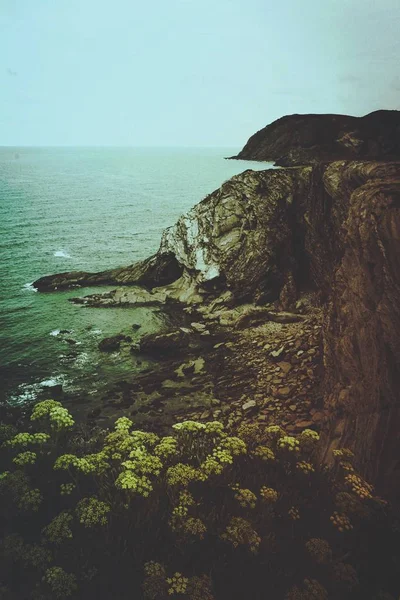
(188, 72)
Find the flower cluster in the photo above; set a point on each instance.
(6, 432)
(346, 466)
(359, 486)
(343, 453)
(26, 439)
(320, 550)
(341, 522)
(177, 584)
(62, 584)
(92, 512)
(214, 427)
(59, 529)
(252, 434)
(305, 467)
(143, 463)
(234, 445)
(264, 453)
(155, 583)
(14, 547)
(240, 532)
(186, 498)
(167, 447)
(294, 513)
(43, 408)
(222, 456)
(246, 498)
(65, 461)
(312, 590)
(189, 426)
(128, 480)
(123, 424)
(181, 474)
(194, 526)
(268, 494)
(58, 416)
(30, 500)
(310, 433)
(25, 458)
(211, 466)
(274, 431)
(289, 443)
(345, 574)
(199, 588)
(154, 569)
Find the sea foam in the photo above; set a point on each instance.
(30, 287)
(61, 254)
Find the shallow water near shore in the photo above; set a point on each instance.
(65, 209)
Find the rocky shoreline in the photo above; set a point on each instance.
(289, 261)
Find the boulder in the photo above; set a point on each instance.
(111, 344)
(165, 344)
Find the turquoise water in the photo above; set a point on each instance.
(64, 209)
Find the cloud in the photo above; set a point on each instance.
(11, 73)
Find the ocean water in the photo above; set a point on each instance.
(64, 209)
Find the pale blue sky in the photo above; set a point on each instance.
(188, 72)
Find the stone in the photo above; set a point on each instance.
(277, 353)
(198, 326)
(285, 366)
(283, 392)
(249, 406)
(303, 424)
(113, 343)
(293, 407)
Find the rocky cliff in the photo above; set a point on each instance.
(304, 139)
(272, 236)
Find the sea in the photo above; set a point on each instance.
(65, 209)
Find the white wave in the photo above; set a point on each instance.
(82, 359)
(25, 393)
(30, 287)
(55, 332)
(52, 381)
(96, 332)
(61, 254)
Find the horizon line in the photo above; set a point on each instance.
(110, 146)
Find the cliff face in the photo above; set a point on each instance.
(304, 139)
(269, 236)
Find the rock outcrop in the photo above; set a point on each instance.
(303, 139)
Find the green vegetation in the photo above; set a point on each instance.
(198, 515)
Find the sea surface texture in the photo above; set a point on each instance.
(65, 209)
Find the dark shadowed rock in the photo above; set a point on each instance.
(154, 271)
(165, 344)
(113, 343)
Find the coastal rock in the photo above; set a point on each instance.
(154, 271)
(165, 344)
(111, 344)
